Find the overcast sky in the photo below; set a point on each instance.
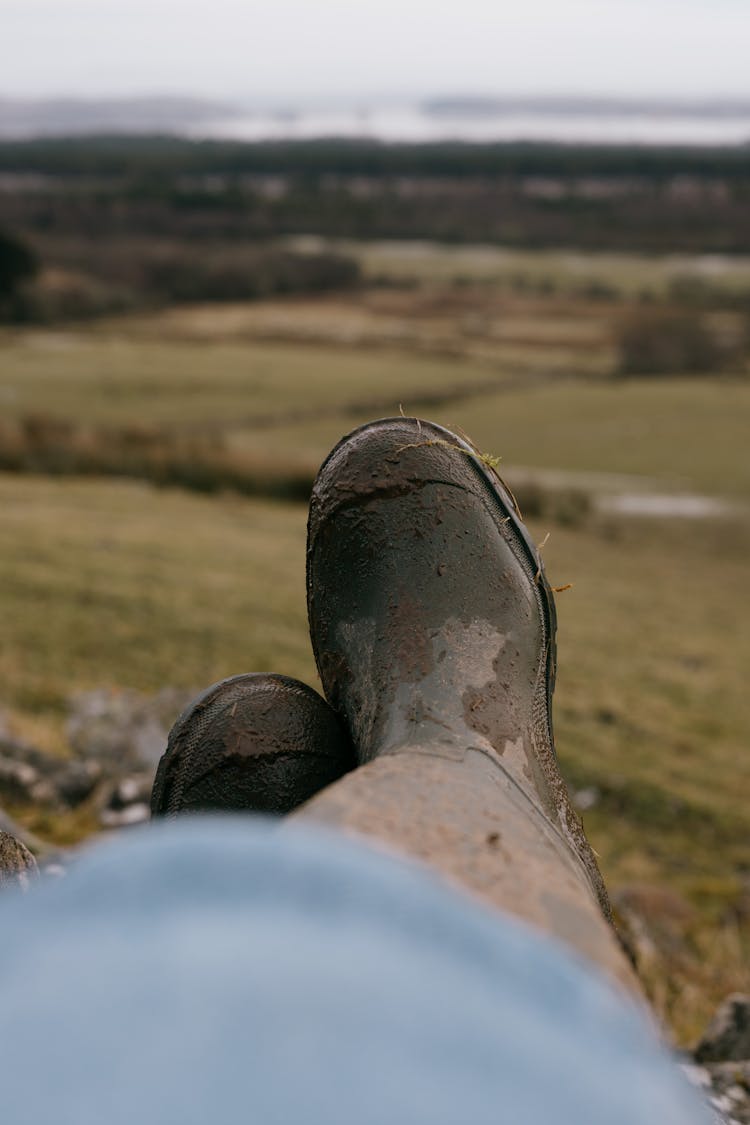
(284, 49)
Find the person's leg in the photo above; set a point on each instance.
(223, 969)
(467, 820)
(434, 632)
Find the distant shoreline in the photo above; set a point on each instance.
(568, 120)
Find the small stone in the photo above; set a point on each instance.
(585, 799)
(76, 781)
(129, 790)
(17, 778)
(727, 1037)
(727, 1074)
(43, 793)
(124, 818)
(696, 1075)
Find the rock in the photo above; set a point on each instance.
(17, 778)
(123, 729)
(730, 1090)
(727, 1037)
(77, 781)
(585, 799)
(17, 864)
(127, 802)
(28, 774)
(125, 818)
(724, 1055)
(723, 1088)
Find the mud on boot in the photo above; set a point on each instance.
(256, 743)
(432, 620)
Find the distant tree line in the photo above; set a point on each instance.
(122, 222)
(123, 156)
(526, 195)
(18, 263)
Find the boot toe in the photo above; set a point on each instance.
(256, 743)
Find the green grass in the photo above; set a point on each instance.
(691, 432)
(564, 270)
(684, 433)
(123, 584)
(100, 377)
(212, 368)
(120, 583)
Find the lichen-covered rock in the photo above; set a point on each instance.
(17, 864)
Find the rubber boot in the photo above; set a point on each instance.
(256, 743)
(433, 627)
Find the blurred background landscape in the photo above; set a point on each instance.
(201, 292)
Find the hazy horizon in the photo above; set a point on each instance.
(351, 100)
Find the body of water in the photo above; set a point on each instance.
(414, 124)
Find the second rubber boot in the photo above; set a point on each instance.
(251, 743)
(433, 627)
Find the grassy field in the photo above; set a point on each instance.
(278, 382)
(681, 434)
(272, 359)
(117, 378)
(121, 583)
(564, 271)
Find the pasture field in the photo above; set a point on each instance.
(276, 383)
(227, 363)
(119, 379)
(563, 271)
(677, 434)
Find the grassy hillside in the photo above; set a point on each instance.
(121, 584)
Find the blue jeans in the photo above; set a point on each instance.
(210, 971)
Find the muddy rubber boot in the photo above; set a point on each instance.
(251, 743)
(433, 627)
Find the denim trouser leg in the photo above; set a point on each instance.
(211, 971)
